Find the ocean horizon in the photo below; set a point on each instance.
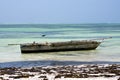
(27, 33)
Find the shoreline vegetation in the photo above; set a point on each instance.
(62, 72)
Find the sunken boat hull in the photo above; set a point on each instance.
(59, 46)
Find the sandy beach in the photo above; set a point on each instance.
(68, 72)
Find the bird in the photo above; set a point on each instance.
(43, 35)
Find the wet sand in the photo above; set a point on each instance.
(59, 72)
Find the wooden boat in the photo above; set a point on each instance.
(59, 46)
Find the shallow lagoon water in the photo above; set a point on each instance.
(109, 50)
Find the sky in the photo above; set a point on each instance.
(59, 11)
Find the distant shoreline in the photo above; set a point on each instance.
(57, 23)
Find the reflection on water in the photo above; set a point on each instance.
(66, 55)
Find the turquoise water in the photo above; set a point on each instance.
(109, 50)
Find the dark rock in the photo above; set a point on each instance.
(119, 78)
(1, 78)
(20, 76)
(42, 77)
(58, 76)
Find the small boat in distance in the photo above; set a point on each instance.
(59, 46)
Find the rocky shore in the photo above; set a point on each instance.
(62, 72)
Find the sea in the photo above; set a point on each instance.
(108, 51)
